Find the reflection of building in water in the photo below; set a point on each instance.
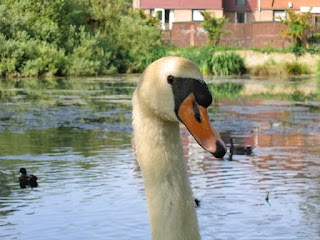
(287, 151)
(286, 133)
(279, 141)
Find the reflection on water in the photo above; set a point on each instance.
(77, 140)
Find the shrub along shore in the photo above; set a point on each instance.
(226, 61)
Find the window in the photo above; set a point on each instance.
(166, 17)
(317, 19)
(279, 15)
(240, 17)
(196, 15)
(240, 2)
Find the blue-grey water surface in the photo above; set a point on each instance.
(76, 137)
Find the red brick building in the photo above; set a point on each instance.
(252, 23)
(170, 11)
(238, 11)
(270, 10)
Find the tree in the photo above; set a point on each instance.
(74, 37)
(213, 26)
(297, 28)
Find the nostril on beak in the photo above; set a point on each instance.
(221, 150)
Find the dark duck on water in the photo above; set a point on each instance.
(27, 179)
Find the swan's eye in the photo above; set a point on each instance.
(170, 79)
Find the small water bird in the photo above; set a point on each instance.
(239, 150)
(26, 179)
(171, 90)
(197, 202)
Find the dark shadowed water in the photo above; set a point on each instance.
(76, 137)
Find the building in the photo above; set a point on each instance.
(237, 11)
(248, 11)
(240, 11)
(271, 10)
(170, 11)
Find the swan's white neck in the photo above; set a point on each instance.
(170, 202)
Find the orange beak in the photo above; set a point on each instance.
(195, 118)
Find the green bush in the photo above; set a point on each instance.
(296, 68)
(90, 57)
(138, 41)
(49, 61)
(214, 27)
(75, 37)
(227, 63)
(25, 56)
(200, 56)
(298, 26)
(154, 54)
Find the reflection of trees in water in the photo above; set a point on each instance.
(6, 178)
(31, 90)
(225, 89)
(37, 142)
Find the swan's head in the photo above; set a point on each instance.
(173, 89)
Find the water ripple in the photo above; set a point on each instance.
(90, 185)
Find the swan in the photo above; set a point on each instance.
(171, 90)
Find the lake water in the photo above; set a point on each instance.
(75, 136)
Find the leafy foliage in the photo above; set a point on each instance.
(224, 63)
(74, 37)
(213, 26)
(227, 63)
(297, 28)
(200, 56)
(296, 68)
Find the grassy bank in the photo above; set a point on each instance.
(218, 61)
(280, 63)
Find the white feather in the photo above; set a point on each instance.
(159, 152)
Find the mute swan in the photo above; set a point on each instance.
(171, 90)
(27, 179)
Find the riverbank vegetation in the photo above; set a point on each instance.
(298, 26)
(272, 68)
(99, 37)
(74, 37)
(211, 61)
